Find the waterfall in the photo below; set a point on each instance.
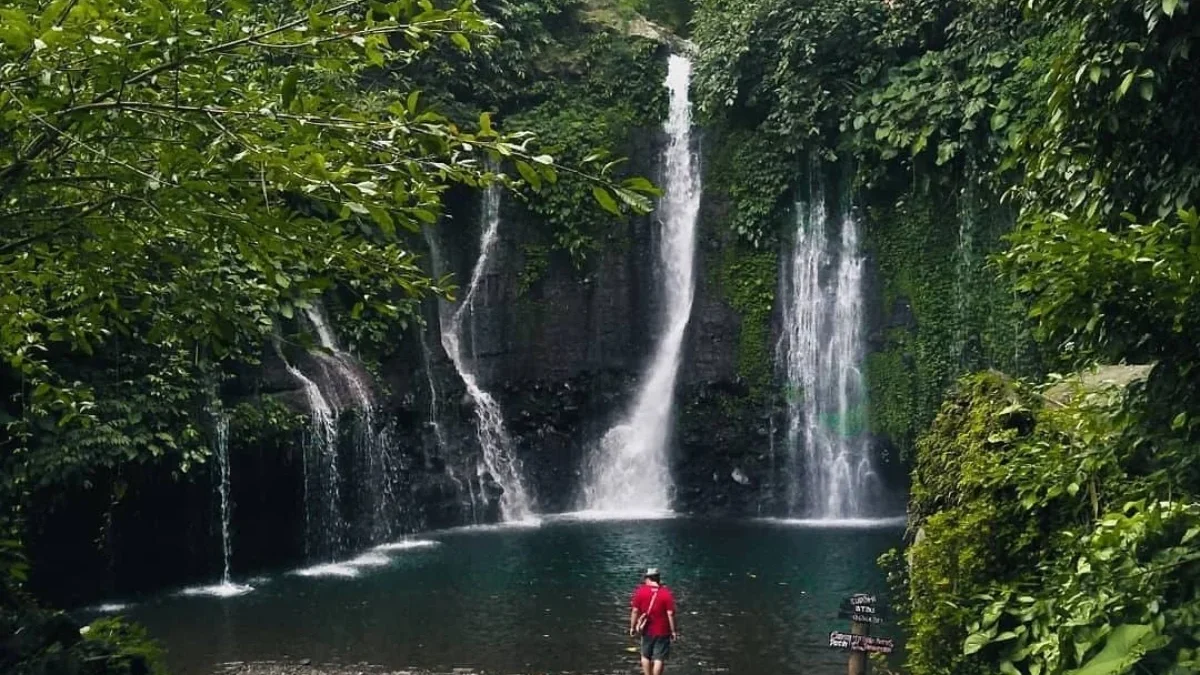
(964, 275)
(444, 312)
(498, 459)
(822, 353)
(631, 473)
(324, 524)
(221, 451)
(351, 385)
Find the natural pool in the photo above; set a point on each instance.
(755, 597)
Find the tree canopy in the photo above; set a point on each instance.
(181, 176)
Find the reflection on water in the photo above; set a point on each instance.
(754, 598)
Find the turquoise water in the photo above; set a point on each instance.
(754, 597)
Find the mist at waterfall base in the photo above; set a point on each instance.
(630, 473)
(754, 597)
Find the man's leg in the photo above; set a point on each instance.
(647, 666)
(662, 649)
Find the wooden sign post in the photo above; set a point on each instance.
(864, 611)
(858, 660)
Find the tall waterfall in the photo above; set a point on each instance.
(351, 387)
(630, 473)
(498, 459)
(822, 353)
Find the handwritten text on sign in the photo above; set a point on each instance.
(861, 618)
(861, 643)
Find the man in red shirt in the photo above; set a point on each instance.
(653, 614)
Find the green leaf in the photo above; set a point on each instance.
(1125, 85)
(412, 102)
(530, 176)
(1125, 646)
(461, 41)
(975, 642)
(1169, 6)
(640, 184)
(289, 87)
(606, 200)
(1179, 421)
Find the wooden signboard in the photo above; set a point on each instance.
(861, 643)
(863, 605)
(864, 610)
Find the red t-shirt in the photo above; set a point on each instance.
(658, 625)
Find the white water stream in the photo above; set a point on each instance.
(822, 354)
(351, 385)
(497, 457)
(631, 473)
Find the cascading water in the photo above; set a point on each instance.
(220, 448)
(324, 525)
(497, 459)
(964, 273)
(445, 313)
(221, 451)
(352, 388)
(630, 473)
(822, 352)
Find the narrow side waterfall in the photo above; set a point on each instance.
(964, 272)
(378, 470)
(221, 484)
(822, 353)
(221, 453)
(630, 473)
(498, 462)
(324, 524)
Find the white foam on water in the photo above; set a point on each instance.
(111, 607)
(225, 589)
(370, 559)
(407, 545)
(840, 523)
(596, 515)
(341, 570)
(506, 526)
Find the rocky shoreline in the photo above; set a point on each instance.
(309, 668)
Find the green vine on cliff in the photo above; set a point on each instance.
(755, 176)
(749, 280)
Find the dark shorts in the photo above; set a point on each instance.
(656, 648)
